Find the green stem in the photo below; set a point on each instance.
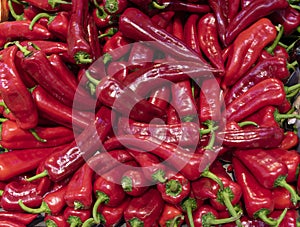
(189, 205)
(36, 136)
(292, 66)
(292, 88)
(54, 3)
(210, 220)
(175, 220)
(89, 222)
(50, 223)
(271, 48)
(23, 49)
(13, 12)
(211, 142)
(39, 16)
(135, 222)
(38, 176)
(158, 6)
(246, 123)
(82, 58)
(159, 176)
(281, 182)
(91, 79)
(101, 198)
(281, 217)
(295, 7)
(1, 192)
(173, 188)
(74, 221)
(78, 205)
(278, 117)
(208, 174)
(262, 214)
(110, 32)
(44, 208)
(226, 198)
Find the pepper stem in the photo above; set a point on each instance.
(23, 49)
(208, 174)
(281, 217)
(111, 6)
(101, 198)
(91, 79)
(50, 223)
(74, 221)
(226, 196)
(271, 48)
(291, 89)
(158, 6)
(246, 123)
(110, 32)
(37, 137)
(189, 205)
(173, 188)
(135, 222)
(1, 192)
(39, 16)
(159, 176)
(262, 214)
(175, 220)
(281, 182)
(278, 117)
(209, 219)
(89, 222)
(126, 183)
(82, 58)
(38, 176)
(13, 12)
(78, 205)
(44, 208)
(54, 3)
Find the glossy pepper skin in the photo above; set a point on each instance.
(257, 199)
(76, 217)
(171, 215)
(14, 93)
(256, 10)
(209, 41)
(191, 37)
(13, 137)
(21, 218)
(134, 182)
(246, 49)
(79, 191)
(265, 167)
(144, 210)
(10, 223)
(268, 92)
(115, 6)
(55, 220)
(289, 141)
(273, 67)
(78, 46)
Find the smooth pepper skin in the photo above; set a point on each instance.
(145, 209)
(14, 93)
(246, 49)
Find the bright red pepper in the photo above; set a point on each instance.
(21, 218)
(115, 6)
(282, 199)
(8, 223)
(134, 182)
(55, 221)
(246, 49)
(76, 217)
(102, 18)
(144, 210)
(161, 97)
(163, 19)
(190, 29)
(289, 141)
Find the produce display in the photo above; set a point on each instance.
(149, 113)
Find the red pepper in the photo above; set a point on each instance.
(163, 19)
(116, 47)
(210, 101)
(172, 116)
(140, 55)
(111, 216)
(206, 216)
(72, 155)
(153, 170)
(282, 199)
(208, 40)
(53, 203)
(273, 67)
(14, 93)
(78, 46)
(16, 30)
(52, 109)
(265, 167)
(170, 216)
(108, 33)
(175, 189)
(79, 190)
(20, 190)
(13, 137)
(21, 218)
(53, 5)
(144, 210)
(7, 223)
(55, 221)
(115, 6)
(46, 76)
(26, 160)
(191, 165)
(93, 39)
(190, 32)
(112, 93)
(256, 10)
(290, 140)
(118, 70)
(108, 190)
(183, 100)
(267, 92)
(290, 218)
(246, 49)
(257, 199)
(76, 217)
(134, 182)
(291, 159)
(288, 17)
(161, 97)
(102, 18)
(177, 5)
(138, 26)
(177, 28)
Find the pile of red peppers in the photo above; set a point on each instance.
(149, 113)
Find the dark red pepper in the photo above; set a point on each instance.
(163, 19)
(256, 10)
(209, 40)
(13, 137)
(270, 171)
(257, 199)
(78, 45)
(15, 95)
(79, 190)
(144, 210)
(244, 51)
(140, 55)
(53, 203)
(290, 140)
(190, 29)
(134, 182)
(102, 18)
(53, 5)
(178, 5)
(161, 97)
(177, 28)
(93, 39)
